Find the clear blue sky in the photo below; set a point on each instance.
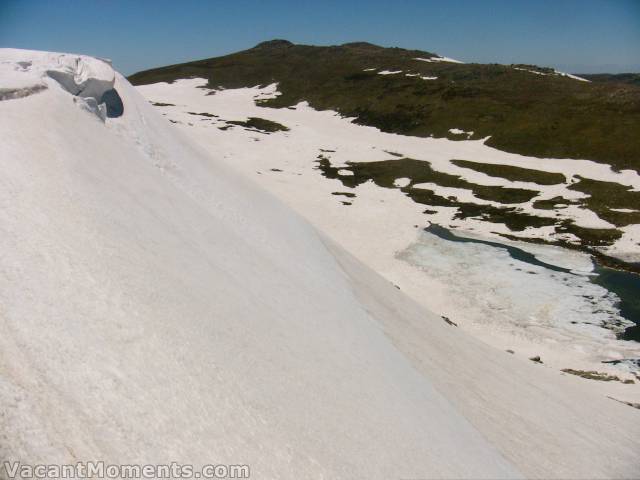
(572, 35)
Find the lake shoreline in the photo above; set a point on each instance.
(602, 259)
(615, 275)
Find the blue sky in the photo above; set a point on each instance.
(572, 35)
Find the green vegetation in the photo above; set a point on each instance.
(385, 173)
(203, 114)
(535, 68)
(552, 203)
(631, 404)
(594, 375)
(603, 196)
(394, 154)
(515, 220)
(344, 194)
(514, 174)
(624, 78)
(590, 237)
(260, 124)
(538, 115)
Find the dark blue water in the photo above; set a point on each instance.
(625, 285)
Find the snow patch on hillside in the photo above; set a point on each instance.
(574, 77)
(458, 131)
(421, 76)
(536, 72)
(555, 72)
(438, 59)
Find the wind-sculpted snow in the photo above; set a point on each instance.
(157, 306)
(89, 79)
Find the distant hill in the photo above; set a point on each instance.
(523, 108)
(624, 78)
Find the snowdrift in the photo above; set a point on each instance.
(156, 306)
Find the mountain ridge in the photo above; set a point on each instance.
(531, 111)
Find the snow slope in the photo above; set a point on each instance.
(558, 317)
(156, 306)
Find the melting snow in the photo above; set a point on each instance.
(421, 76)
(401, 182)
(574, 77)
(438, 59)
(457, 131)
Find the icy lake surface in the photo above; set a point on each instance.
(625, 285)
(513, 288)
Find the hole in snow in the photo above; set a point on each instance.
(113, 102)
(93, 93)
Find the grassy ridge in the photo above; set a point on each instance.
(605, 196)
(625, 78)
(514, 174)
(532, 114)
(260, 124)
